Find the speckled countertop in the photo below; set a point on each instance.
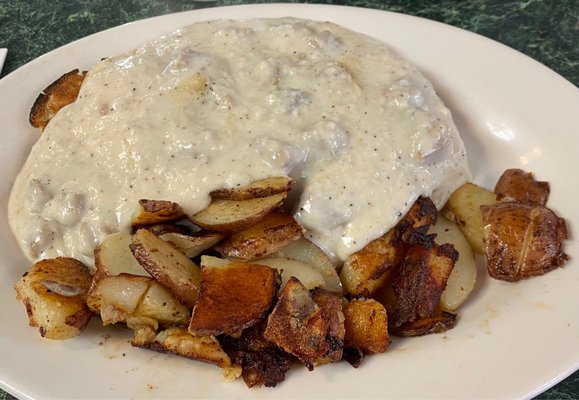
(547, 31)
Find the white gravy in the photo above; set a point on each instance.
(223, 103)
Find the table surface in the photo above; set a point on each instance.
(547, 31)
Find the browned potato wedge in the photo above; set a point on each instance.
(420, 281)
(309, 276)
(298, 326)
(233, 297)
(463, 207)
(151, 212)
(58, 94)
(275, 231)
(231, 215)
(368, 269)
(169, 266)
(53, 292)
(425, 326)
(522, 240)
(126, 298)
(113, 257)
(202, 348)
(463, 276)
(518, 185)
(262, 188)
(366, 325)
(305, 251)
(192, 246)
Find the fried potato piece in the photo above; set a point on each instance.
(425, 326)
(53, 292)
(233, 297)
(522, 240)
(151, 212)
(368, 269)
(518, 185)
(113, 257)
(192, 246)
(463, 207)
(179, 342)
(305, 251)
(262, 362)
(298, 326)
(58, 94)
(128, 298)
(332, 312)
(420, 282)
(462, 279)
(310, 277)
(261, 188)
(231, 215)
(275, 231)
(169, 266)
(366, 324)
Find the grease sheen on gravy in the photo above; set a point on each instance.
(223, 103)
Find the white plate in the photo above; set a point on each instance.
(512, 340)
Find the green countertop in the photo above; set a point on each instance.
(547, 31)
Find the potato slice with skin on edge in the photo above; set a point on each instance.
(151, 212)
(305, 251)
(113, 257)
(261, 188)
(463, 276)
(192, 246)
(230, 215)
(233, 297)
(518, 185)
(275, 231)
(169, 266)
(53, 292)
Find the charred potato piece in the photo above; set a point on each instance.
(305, 251)
(192, 246)
(463, 207)
(124, 298)
(233, 297)
(275, 231)
(53, 292)
(262, 362)
(366, 323)
(420, 282)
(262, 188)
(231, 215)
(425, 326)
(58, 94)
(463, 276)
(421, 215)
(332, 312)
(152, 212)
(169, 266)
(297, 325)
(202, 348)
(522, 240)
(518, 185)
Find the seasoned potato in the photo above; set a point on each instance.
(203, 348)
(522, 240)
(366, 325)
(113, 257)
(169, 266)
(233, 297)
(463, 276)
(124, 297)
(231, 215)
(518, 185)
(58, 94)
(463, 207)
(305, 251)
(53, 292)
(275, 231)
(192, 246)
(151, 212)
(262, 188)
(309, 276)
(424, 326)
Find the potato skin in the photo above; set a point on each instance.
(518, 185)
